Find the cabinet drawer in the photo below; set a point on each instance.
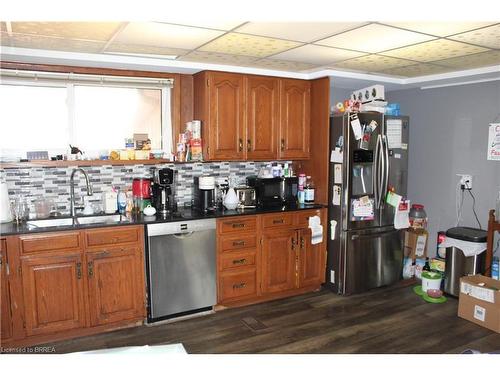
(99, 237)
(49, 242)
(302, 217)
(237, 242)
(237, 259)
(237, 224)
(238, 284)
(277, 220)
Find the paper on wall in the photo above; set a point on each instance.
(336, 195)
(394, 132)
(336, 156)
(337, 174)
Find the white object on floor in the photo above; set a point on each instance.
(316, 229)
(468, 248)
(146, 349)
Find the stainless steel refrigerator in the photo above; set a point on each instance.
(367, 251)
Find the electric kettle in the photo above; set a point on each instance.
(5, 214)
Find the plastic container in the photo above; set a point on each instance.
(302, 181)
(418, 216)
(495, 271)
(431, 280)
(309, 191)
(122, 202)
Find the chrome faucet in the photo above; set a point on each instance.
(72, 188)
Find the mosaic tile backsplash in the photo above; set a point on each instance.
(53, 182)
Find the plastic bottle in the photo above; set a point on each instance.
(302, 181)
(418, 217)
(122, 202)
(495, 271)
(286, 171)
(309, 191)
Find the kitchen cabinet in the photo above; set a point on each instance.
(278, 260)
(6, 318)
(115, 284)
(268, 256)
(250, 117)
(262, 111)
(294, 124)
(73, 283)
(53, 289)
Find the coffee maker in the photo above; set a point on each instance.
(204, 198)
(163, 189)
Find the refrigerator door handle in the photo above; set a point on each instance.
(374, 234)
(380, 174)
(387, 165)
(376, 172)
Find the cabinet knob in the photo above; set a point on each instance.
(249, 145)
(241, 144)
(79, 270)
(282, 144)
(239, 261)
(90, 267)
(278, 221)
(238, 243)
(239, 286)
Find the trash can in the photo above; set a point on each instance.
(465, 256)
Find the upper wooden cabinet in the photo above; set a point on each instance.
(250, 117)
(262, 110)
(295, 116)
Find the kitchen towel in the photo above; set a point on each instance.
(316, 229)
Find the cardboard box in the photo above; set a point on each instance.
(479, 301)
(415, 245)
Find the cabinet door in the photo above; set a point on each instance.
(53, 293)
(262, 117)
(6, 319)
(116, 284)
(294, 119)
(311, 260)
(226, 102)
(279, 260)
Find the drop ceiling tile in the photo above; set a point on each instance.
(218, 58)
(165, 35)
(476, 60)
(317, 55)
(374, 38)
(416, 70)
(291, 66)
(487, 37)
(207, 23)
(101, 31)
(248, 45)
(434, 50)
(144, 50)
(439, 28)
(50, 43)
(373, 63)
(299, 31)
(3, 27)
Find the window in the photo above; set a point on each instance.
(49, 111)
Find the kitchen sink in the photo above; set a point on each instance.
(82, 220)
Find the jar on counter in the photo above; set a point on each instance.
(309, 191)
(418, 217)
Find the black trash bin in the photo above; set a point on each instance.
(457, 264)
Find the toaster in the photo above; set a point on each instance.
(246, 197)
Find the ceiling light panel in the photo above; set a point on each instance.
(145, 50)
(487, 37)
(317, 55)
(248, 45)
(289, 66)
(207, 23)
(100, 31)
(434, 50)
(299, 31)
(372, 63)
(50, 43)
(165, 35)
(439, 28)
(476, 60)
(218, 58)
(374, 38)
(416, 70)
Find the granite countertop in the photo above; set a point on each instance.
(181, 215)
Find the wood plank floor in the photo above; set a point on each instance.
(386, 320)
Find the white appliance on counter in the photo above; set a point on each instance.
(5, 214)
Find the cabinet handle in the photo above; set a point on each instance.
(90, 266)
(239, 261)
(241, 144)
(238, 225)
(238, 243)
(239, 286)
(249, 145)
(280, 221)
(293, 244)
(302, 242)
(79, 270)
(282, 144)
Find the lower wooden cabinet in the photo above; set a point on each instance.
(115, 285)
(283, 261)
(68, 291)
(6, 317)
(53, 289)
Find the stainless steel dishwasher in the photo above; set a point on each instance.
(181, 268)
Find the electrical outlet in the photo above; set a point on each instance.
(465, 181)
(332, 276)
